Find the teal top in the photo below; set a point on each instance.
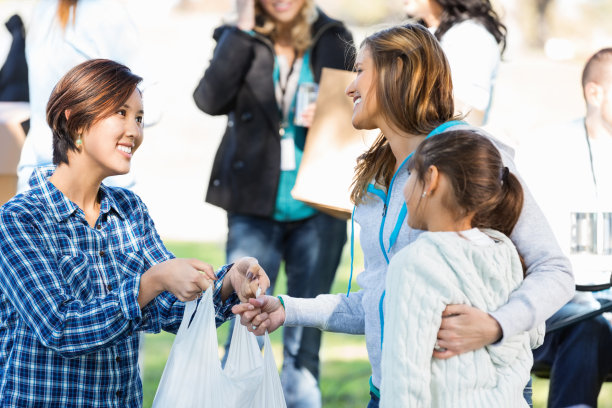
(287, 208)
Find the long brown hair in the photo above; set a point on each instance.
(301, 36)
(414, 89)
(64, 8)
(91, 91)
(481, 184)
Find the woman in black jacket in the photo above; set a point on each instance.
(253, 77)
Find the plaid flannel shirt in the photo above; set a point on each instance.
(69, 316)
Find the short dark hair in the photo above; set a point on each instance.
(91, 91)
(593, 68)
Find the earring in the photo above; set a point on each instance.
(79, 141)
(424, 194)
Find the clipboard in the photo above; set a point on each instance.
(332, 147)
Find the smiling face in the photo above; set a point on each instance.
(363, 92)
(282, 11)
(109, 143)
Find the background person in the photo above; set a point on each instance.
(404, 88)
(14, 71)
(253, 78)
(473, 38)
(62, 34)
(468, 203)
(82, 268)
(574, 187)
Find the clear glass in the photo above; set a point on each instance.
(306, 94)
(584, 233)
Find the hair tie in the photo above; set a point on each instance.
(504, 175)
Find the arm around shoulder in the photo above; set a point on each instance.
(549, 283)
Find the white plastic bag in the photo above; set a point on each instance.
(193, 376)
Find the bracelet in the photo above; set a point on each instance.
(281, 301)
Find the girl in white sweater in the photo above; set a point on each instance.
(462, 195)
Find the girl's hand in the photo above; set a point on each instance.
(465, 328)
(246, 14)
(246, 277)
(262, 314)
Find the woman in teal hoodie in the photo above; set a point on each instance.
(403, 87)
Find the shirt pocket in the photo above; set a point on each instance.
(76, 272)
(127, 264)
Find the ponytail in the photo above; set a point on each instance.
(504, 216)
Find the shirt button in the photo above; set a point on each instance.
(102, 253)
(118, 359)
(98, 227)
(109, 287)
(119, 393)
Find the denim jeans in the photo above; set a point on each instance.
(311, 249)
(374, 401)
(580, 357)
(528, 393)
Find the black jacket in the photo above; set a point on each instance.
(14, 72)
(239, 83)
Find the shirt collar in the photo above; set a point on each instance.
(59, 204)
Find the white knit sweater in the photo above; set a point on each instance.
(438, 269)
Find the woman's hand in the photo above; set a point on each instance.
(184, 278)
(308, 115)
(245, 277)
(246, 14)
(261, 314)
(465, 328)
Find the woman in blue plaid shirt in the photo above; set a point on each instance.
(82, 269)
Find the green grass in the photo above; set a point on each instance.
(345, 368)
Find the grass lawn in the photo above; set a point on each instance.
(345, 368)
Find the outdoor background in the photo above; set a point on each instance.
(538, 83)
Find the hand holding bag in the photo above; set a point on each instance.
(193, 376)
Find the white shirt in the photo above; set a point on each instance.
(473, 55)
(556, 165)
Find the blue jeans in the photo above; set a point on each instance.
(528, 393)
(311, 249)
(580, 357)
(374, 401)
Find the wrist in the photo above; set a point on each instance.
(496, 332)
(227, 287)
(150, 286)
(154, 278)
